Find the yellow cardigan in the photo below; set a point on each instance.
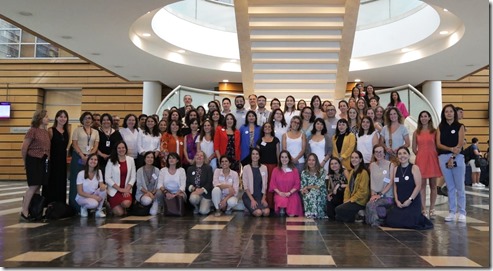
(348, 146)
(361, 192)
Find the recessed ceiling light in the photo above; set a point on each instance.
(225, 80)
(181, 51)
(445, 9)
(66, 37)
(357, 80)
(146, 34)
(25, 13)
(443, 32)
(405, 50)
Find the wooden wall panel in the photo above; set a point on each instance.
(471, 93)
(23, 83)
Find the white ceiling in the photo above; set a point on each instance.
(99, 32)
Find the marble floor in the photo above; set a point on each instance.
(239, 240)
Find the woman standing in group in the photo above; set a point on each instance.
(269, 148)
(370, 112)
(343, 108)
(289, 109)
(120, 178)
(379, 116)
(107, 139)
(199, 183)
(190, 143)
(286, 184)
(255, 183)
(130, 133)
(85, 141)
(301, 104)
(217, 119)
(172, 141)
(148, 193)
(319, 143)
(316, 105)
(343, 143)
(450, 139)
(173, 180)
(337, 182)
(394, 134)
(149, 139)
(56, 190)
(407, 184)
(206, 143)
(202, 115)
(275, 104)
(294, 141)
(91, 190)
(163, 126)
(361, 107)
(278, 123)
(227, 142)
(307, 118)
(353, 120)
(370, 93)
(313, 188)
(395, 101)
(226, 184)
(381, 187)
(35, 152)
(425, 148)
(357, 191)
(367, 138)
(355, 93)
(249, 135)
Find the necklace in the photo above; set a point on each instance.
(403, 174)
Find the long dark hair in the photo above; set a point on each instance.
(114, 152)
(251, 112)
(272, 120)
(136, 126)
(324, 129)
(58, 114)
(392, 100)
(442, 115)
(338, 133)
(318, 168)
(341, 169)
(361, 166)
(290, 163)
(431, 127)
(86, 167)
(155, 129)
(361, 131)
(202, 132)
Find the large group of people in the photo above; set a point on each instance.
(302, 160)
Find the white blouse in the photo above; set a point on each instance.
(148, 142)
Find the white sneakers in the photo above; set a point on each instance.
(478, 185)
(83, 212)
(100, 214)
(452, 217)
(154, 208)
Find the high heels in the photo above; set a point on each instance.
(26, 218)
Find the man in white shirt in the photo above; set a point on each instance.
(252, 100)
(226, 106)
(240, 112)
(262, 113)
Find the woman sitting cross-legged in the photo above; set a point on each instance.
(285, 182)
(148, 193)
(407, 185)
(226, 184)
(313, 188)
(91, 191)
(255, 183)
(357, 191)
(172, 180)
(120, 178)
(199, 183)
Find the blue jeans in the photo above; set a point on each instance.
(454, 177)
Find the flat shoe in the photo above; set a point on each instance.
(26, 219)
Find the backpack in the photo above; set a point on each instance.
(468, 154)
(57, 210)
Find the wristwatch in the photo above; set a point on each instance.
(411, 199)
(379, 193)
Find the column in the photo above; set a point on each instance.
(432, 90)
(151, 97)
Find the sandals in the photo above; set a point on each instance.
(432, 214)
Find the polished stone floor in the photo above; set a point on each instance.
(239, 240)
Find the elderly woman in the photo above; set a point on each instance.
(199, 184)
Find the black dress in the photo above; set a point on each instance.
(409, 217)
(106, 146)
(56, 190)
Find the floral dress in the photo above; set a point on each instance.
(314, 201)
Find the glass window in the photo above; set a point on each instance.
(10, 36)
(9, 50)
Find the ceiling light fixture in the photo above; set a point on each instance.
(233, 60)
(445, 9)
(225, 80)
(25, 13)
(443, 32)
(357, 80)
(146, 34)
(181, 51)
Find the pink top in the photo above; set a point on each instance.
(284, 182)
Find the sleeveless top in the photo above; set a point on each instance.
(294, 147)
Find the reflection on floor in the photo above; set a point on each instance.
(238, 240)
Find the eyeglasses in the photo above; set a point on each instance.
(379, 152)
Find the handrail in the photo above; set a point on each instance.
(205, 91)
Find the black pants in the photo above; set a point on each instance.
(336, 200)
(346, 212)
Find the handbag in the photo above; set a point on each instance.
(58, 209)
(174, 206)
(36, 206)
(139, 210)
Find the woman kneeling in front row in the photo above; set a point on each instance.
(255, 183)
(88, 181)
(226, 184)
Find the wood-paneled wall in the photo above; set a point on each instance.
(23, 83)
(473, 94)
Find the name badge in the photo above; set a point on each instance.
(246, 132)
(386, 180)
(262, 173)
(154, 176)
(384, 171)
(396, 180)
(453, 131)
(108, 143)
(221, 178)
(333, 126)
(263, 144)
(88, 148)
(193, 173)
(230, 180)
(406, 178)
(181, 143)
(288, 170)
